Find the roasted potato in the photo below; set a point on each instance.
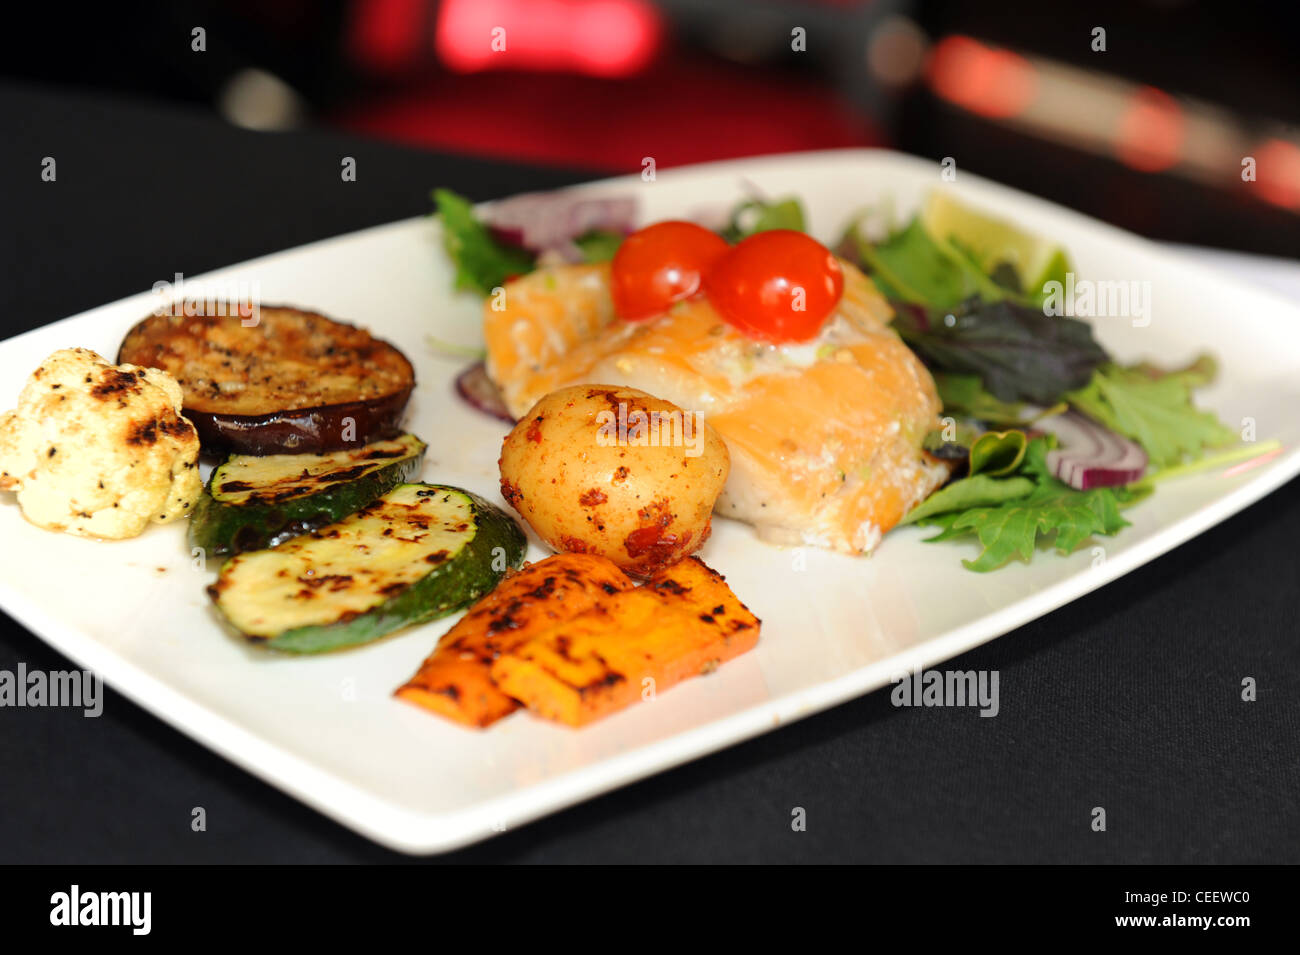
(601, 469)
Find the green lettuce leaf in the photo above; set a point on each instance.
(756, 215)
(978, 491)
(1202, 370)
(965, 396)
(599, 245)
(1013, 528)
(482, 262)
(909, 267)
(1157, 413)
(998, 453)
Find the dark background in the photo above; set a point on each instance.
(1148, 133)
(1128, 698)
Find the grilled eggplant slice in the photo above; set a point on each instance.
(253, 501)
(419, 552)
(289, 382)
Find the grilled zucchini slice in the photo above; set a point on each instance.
(419, 552)
(254, 501)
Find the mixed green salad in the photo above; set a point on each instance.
(1049, 436)
(1052, 436)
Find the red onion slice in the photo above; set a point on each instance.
(474, 385)
(1091, 455)
(566, 253)
(539, 221)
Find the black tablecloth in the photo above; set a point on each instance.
(1129, 699)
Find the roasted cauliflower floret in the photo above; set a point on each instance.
(97, 449)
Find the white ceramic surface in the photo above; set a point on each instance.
(327, 729)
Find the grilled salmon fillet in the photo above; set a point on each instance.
(825, 436)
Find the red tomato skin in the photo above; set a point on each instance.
(661, 264)
(754, 286)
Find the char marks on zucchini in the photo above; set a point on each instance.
(253, 501)
(419, 552)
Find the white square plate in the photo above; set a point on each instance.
(328, 730)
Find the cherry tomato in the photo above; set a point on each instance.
(661, 264)
(778, 285)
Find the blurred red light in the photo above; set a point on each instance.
(1151, 132)
(609, 38)
(386, 33)
(1277, 173)
(990, 82)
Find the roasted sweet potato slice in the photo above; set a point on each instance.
(684, 622)
(455, 681)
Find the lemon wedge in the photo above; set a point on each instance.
(994, 242)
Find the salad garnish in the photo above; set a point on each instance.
(482, 261)
(1000, 361)
(1012, 515)
(1157, 413)
(1018, 353)
(750, 216)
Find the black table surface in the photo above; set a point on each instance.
(1128, 699)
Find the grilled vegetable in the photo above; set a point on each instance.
(420, 551)
(290, 381)
(684, 622)
(456, 681)
(253, 502)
